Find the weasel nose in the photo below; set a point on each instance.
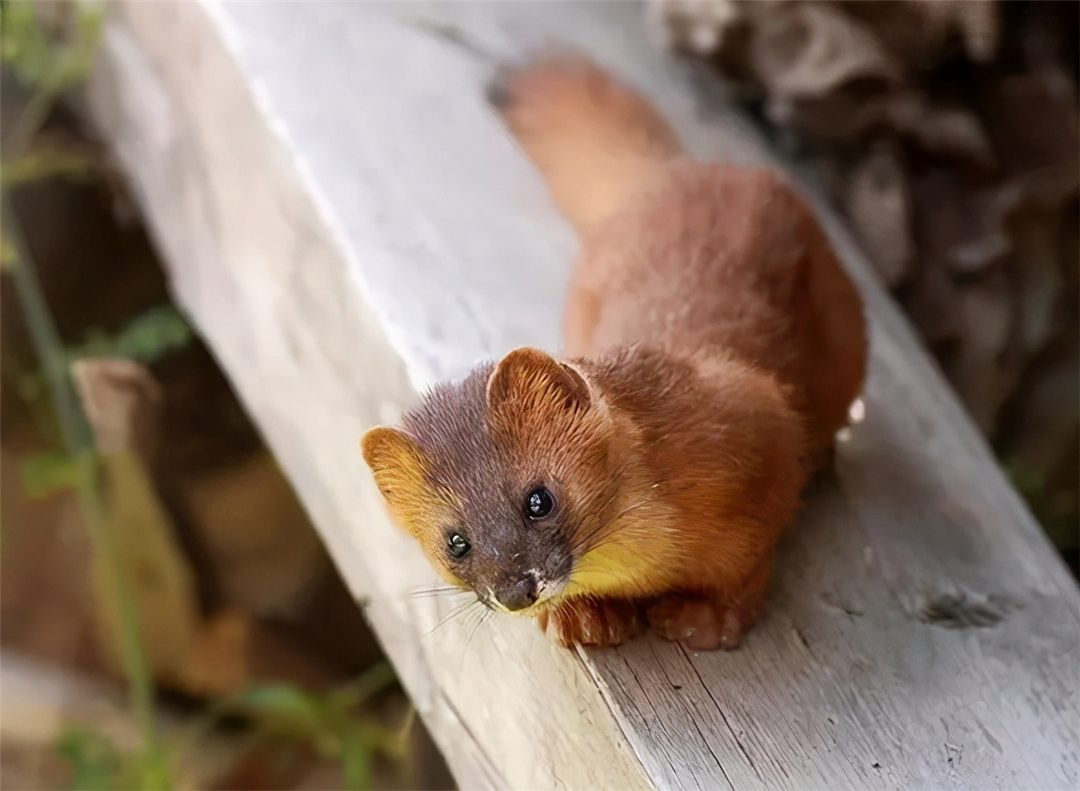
(519, 594)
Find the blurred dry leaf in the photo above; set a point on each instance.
(160, 579)
(919, 32)
(1034, 121)
(954, 150)
(45, 586)
(915, 31)
(878, 203)
(122, 402)
(265, 554)
(822, 71)
(987, 365)
(232, 650)
(1046, 422)
(216, 662)
(43, 165)
(699, 26)
(805, 50)
(942, 131)
(120, 399)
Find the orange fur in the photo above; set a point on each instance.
(714, 345)
(399, 466)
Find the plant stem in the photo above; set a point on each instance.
(76, 435)
(78, 441)
(31, 118)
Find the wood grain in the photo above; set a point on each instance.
(347, 222)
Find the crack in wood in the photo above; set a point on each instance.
(487, 765)
(613, 709)
(723, 716)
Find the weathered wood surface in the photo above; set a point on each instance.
(348, 222)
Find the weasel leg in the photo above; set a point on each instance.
(711, 620)
(592, 622)
(700, 623)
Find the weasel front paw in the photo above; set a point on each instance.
(592, 622)
(698, 623)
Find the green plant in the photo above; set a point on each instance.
(144, 339)
(333, 723)
(329, 722)
(49, 67)
(94, 759)
(38, 60)
(82, 469)
(97, 764)
(1058, 521)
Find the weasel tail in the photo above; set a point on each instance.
(595, 142)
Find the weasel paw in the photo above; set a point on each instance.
(700, 624)
(592, 622)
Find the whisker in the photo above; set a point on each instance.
(472, 628)
(583, 542)
(461, 609)
(440, 590)
(608, 540)
(586, 543)
(480, 615)
(484, 616)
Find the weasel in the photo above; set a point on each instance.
(713, 347)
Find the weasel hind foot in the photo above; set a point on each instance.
(701, 624)
(592, 622)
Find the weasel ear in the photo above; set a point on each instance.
(395, 460)
(528, 377)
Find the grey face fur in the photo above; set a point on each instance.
(513, 560)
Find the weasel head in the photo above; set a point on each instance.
(506, 479)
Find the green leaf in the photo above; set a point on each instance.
(94, 759)
(72, 67)
(144, 339)
(1058, 519)
(143, 771)
(1026, 478)
(44, 164)
(369, 683)
(23, 45)
(155, 332)
(46, 473)
(286, 706)
(32, 386)
(9, 257)
(99, 766)
(355, 759)
(50, 65)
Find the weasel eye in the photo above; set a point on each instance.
(458, 546)
(539, 503)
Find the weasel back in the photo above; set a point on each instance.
(700, 257)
